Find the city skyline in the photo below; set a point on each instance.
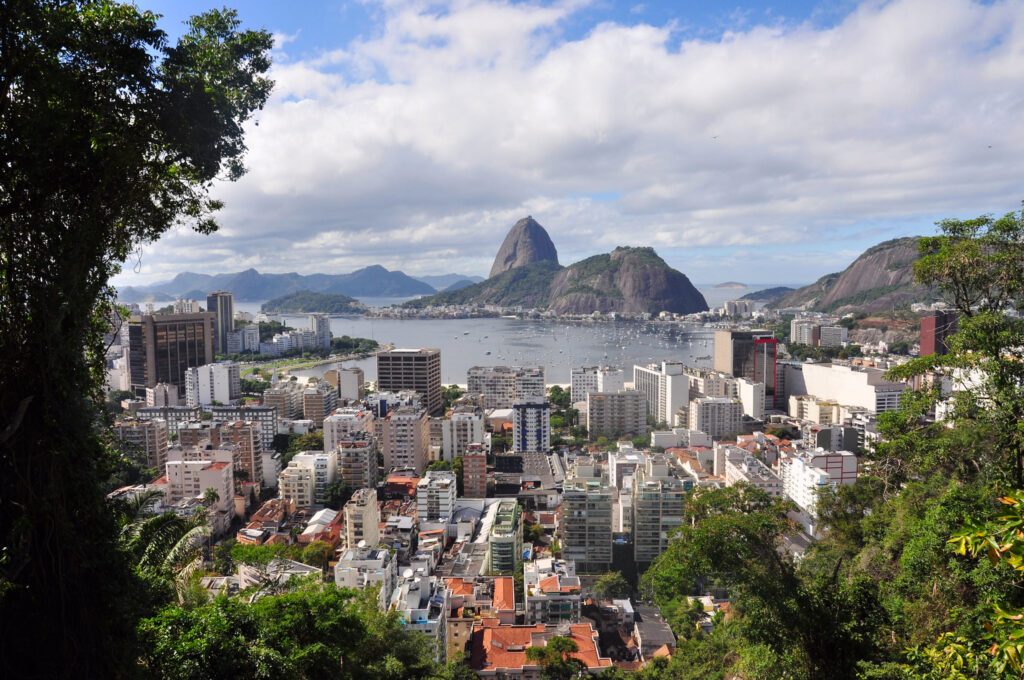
(413, 135)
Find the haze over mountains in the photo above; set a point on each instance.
(251, 285)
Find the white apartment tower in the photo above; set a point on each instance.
(665, 387)
(220, 382)
(503, 385)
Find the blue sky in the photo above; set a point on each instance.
(759, 142)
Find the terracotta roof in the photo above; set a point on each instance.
(216, 466)
(498, 646)
(663, 651)
(162, 479)
(504, 594)
(549, 584)
(459, 586)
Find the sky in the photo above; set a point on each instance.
(761, 142)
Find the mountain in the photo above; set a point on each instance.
(880, 279)
(627, 281)
(372, 281)
(768, 294)
(526, 243)
(446, 281)
(307, 301)
(459, 284)
(527, 286)
(731, 285)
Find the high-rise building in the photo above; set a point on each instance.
(368, 566)
(595, 379)
(659, 494)
(405, 438)
(435, 496)
(220, 382)
(162, 347)
(531, 425)
(265, 416)
(750, 355)
(222, 304)
(587, 500)
(320, 324)
(349, 381)
(244, 439)
(362, 518)
(357, 461)
(286, 397)
(148, 437)
(717, 417)
(505, 544)
(503, 385)
(318, 402)
(474, 471)
(324, 467)
(936, 329)
(349, 422)
(616, 414)
(665, 387)
(412, 369)
(465, 426)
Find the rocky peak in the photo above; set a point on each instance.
(527, 242)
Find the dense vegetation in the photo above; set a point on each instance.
(529, 286)
(111, 136)
(918, 576)
(304, 301)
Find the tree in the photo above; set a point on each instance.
(337, 494)
(612, 585)
(318, 554)
(555, 659)
(111, 136)
(533, 533)
(559, 397)
(449, 395)
(211, 497)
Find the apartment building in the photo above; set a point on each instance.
(505, 544)
(405, 438)
(213, 383)
(616, 414)
(474, 471)
(503, 385)
(362, 567)
(551, 591)
(362, 519)
(148, 437)
(463, 427)
(665, 388)
(318, 402)
(531, 425)
(717, 417)
(586, 531)
(357, 461)
(658, 499)
(286, 397)
(435, 496)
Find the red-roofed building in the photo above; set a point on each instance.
(499, 651)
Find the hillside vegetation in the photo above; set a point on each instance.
(305, 301)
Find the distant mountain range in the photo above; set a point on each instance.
(251, 285)
(526, 273)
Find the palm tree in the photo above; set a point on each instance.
(211, 497)
(163, 547)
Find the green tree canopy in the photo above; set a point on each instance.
(111, 136)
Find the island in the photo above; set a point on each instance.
(306, 301)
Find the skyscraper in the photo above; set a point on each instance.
(935, 328)
(320, 324)
(412, 369)
(162, 347)
(222, 305)
(750, 355)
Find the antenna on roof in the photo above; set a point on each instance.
(361, 543)
(407, 573)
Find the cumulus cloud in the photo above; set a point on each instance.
(418, 147)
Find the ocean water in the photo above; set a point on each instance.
(558, 346)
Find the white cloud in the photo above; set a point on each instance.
(419, 147)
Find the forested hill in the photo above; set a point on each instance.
(305, 301)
